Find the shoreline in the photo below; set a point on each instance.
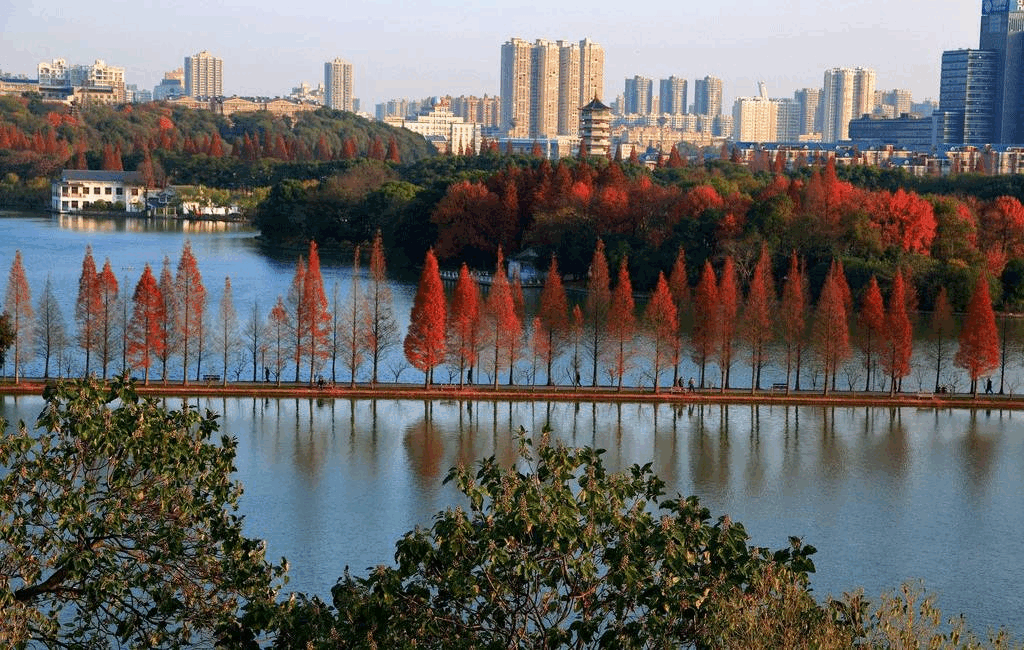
(600, 394)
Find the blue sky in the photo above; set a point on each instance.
(432, 47)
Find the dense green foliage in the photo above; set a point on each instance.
(556, 552)
(117, 525)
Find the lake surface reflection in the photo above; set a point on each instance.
(886, 495)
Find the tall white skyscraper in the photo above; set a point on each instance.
(204, 75)
(543, 85)
(848, 93)
(338, 85)
(672, 96)
(707, 96)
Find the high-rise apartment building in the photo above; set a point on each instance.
(848, 93)
(789, 122)
(672, 96)
(338, 84)
(639, 96)
(591, 72)
(968, 90)
(569, 94)
(810, 110)
(893, 103)
(544, 84)
(707, 96)
(755, 119)
(204, 75)
(1002, 32)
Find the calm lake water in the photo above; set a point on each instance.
(886, 495)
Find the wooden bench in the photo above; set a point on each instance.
(211, 377)
(780, 387)
(925, 394)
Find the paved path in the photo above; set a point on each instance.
(556, 393)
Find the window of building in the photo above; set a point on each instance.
(64, 205)
(95, 190)
(64, 190)
(120, 191)
(135, 191)
(74, 205)
(108, 191)
(74, 189)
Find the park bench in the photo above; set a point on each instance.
(780, 387)
(209, 378)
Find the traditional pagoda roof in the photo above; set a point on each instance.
(595, 105)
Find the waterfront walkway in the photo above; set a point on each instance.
(485, 392)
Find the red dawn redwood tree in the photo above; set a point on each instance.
(381, 328)
(939, 335)
(979, 339)
(871, 322)
(424, 343)
(146, 336)
(728, 308)
(18, 303)
(554, 316)
(87, 307)
(898, 335)
(503, 326)
(167, 316)
(831, 330)
(679, 287)
(705, 332)
(317, 314)
(597, 307)
(190, 308)
(793, 318)
(106, 289)
(622, 323)
(663, 326)
(758, 314)
(464, 323)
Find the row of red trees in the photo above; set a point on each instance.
(713, 322)
(714, 319)
(549, 204)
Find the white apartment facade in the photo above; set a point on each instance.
(79, 190)
(338, 85)
(204, 75)
(448, 132)
(755, 119)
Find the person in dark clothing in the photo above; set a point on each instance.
(988, 386)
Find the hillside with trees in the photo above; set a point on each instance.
(174, 144)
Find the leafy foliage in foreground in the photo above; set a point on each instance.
(117, 525)
(558, 552)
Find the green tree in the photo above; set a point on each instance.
(552, 552)
(118, 527)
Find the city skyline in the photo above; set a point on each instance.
(412, 51)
